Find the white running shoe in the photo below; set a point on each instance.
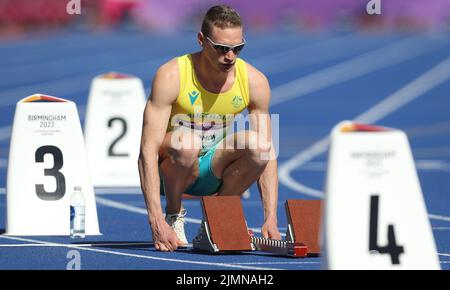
(176, 221)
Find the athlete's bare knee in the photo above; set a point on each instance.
(184, 148)
(254, 145)
(185, 140)
(178, 177)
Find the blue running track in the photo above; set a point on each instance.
(316, 80)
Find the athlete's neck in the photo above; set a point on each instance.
(211, 78)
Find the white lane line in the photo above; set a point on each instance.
(321, 43)
(65, 86)
(295, 57)
(120, 205)
(356, 67)
(416, 88)
(432, 165)
(142, 256)
(78, 245)
(43, 63)
(401, 49)
(135, 209)
(118, 190)
(139, 210)
(432, 152)
(108, 191)
(5, 132)
(432, 78)
(429, 130)
(101, 191)
(421, 165)
(439, 217)
(143, 211)
(285, 169)
(71, 84)
(276, 263)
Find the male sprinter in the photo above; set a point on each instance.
(185, 122)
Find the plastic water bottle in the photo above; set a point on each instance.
(77, 214)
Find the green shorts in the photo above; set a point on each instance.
(206, 183)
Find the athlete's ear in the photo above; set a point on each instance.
(200, 38)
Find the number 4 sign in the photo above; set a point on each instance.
(375, 215)
(113, 128)
(47, 159)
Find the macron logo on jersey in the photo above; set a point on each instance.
(193, 96)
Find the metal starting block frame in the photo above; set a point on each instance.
(224, 228)
(283, 248)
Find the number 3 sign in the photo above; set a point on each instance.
(47, 159)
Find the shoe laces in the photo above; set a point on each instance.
(176, 218)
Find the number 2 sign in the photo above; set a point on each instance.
(113, 128)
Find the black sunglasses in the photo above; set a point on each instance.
(224, 48)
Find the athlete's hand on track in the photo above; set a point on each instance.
(164, 237)
(270, 230)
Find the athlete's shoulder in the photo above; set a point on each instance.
(259, 88)
(257, 80)
(166, 82)
(255, 76)
(168, 70)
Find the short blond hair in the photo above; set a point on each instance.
(221, 16)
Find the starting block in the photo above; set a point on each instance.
(304, 218)
(221, 233)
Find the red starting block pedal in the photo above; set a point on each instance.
(223, 226)
(303, 218)
(224, 233)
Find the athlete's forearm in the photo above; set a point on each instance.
(150, 184)
(268, 189)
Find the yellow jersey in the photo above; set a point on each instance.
(210, 115)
